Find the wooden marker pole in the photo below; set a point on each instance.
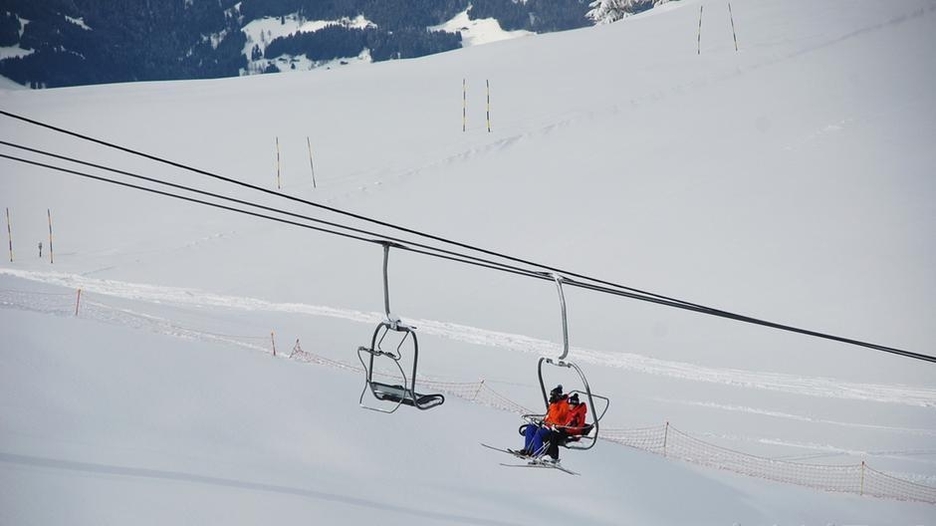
(51, 253)
(311, 164)
(9, 233)
(77, 302)
(733, 34)
(699, 41)
(464, 105)
(488, 105)
(278, 185)
(273, 339)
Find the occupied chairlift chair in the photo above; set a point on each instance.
(405, 392)
(588, 439)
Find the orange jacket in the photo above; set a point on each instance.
(557, 413)
(575, 419)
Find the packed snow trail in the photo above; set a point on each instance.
(785, 383)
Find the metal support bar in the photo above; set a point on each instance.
(386, 280)
(565, 321)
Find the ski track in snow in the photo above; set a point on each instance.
(778, 382)
(548, 123)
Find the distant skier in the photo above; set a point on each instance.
(40, 250)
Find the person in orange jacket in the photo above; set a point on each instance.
(556, 414)
(573, 426)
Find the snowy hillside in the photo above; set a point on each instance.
(260, 32)
(790, 180)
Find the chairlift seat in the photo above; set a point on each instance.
(584, 431)
(402, 395)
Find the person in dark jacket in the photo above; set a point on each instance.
(536, 435)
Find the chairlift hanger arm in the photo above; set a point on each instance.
(386, 278)
(565, 320)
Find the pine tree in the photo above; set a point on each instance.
(608, 11)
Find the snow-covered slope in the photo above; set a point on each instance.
(790, 181)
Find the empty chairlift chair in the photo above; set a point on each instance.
(404, 391)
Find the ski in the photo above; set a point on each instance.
(533, 462)
(541, 464)
(506, 450)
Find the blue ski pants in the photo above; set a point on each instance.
(534, 437)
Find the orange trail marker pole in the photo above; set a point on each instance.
(9, 233)
(699, 42)
(311, 164)
(489, 105)
(278, 185)
(51, 254)
(733, 34)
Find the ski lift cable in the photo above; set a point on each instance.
(176, 196)
(334, 209)
(631, 292)
(396, 242)
(637, 293)
(376, 239)
(450, 256)
(697, 307)
(765, 323)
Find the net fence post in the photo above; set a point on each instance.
(665, 436)
(478, 391)
(861, 484)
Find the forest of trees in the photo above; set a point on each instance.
(129, 40)
(336, 42)
(138, 40)
(541, 16)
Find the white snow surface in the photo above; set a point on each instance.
(479, 31)
(14, 52)
(791, 181)
(78, 22)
